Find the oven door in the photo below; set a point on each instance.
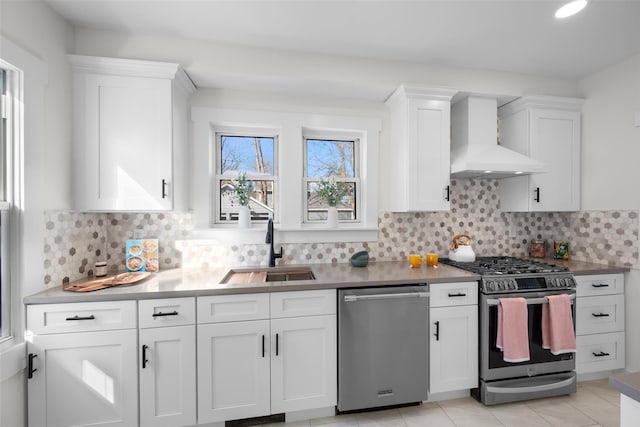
(542, 361)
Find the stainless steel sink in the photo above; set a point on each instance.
(267, 274)
(290, 275)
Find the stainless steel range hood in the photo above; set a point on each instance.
(475, 152)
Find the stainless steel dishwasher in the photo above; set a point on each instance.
(383, 346)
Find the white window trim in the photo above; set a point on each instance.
(291, 127)
(28, 256)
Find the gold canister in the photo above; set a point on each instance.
(538, 248)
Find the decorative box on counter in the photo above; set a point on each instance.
(142, 255)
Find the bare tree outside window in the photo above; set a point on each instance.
(255, 156)
(331, 158)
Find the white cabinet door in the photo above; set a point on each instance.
(233, 370)
(555, 140)
(429, 155)
(453, 352)
(546, 129)
(304, 363)
(421, 144)
(84, 379)
(128, 143)
(168, 376)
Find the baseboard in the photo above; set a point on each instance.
(437, 397)
(590, 376)
(309, 414)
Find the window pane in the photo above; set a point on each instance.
(260, 202)
(253, 155)
(330, 157)
(3, 138)
(317, 207)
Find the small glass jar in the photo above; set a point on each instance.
(538, 248)
(100, 269)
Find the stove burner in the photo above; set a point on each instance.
(506, 266)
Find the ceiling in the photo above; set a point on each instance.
(519, 36)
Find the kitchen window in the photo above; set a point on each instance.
(331, 159)
(251, 153)
(298, 150)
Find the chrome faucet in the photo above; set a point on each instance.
(269, 239)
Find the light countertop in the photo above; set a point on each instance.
(185, 282)
(200, 282)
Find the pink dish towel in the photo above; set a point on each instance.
(557, 325)
(513, 331)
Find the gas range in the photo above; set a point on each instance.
(510, 274)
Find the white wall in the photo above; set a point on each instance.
(36, 28)
(610, 163)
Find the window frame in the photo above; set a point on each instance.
(9, 114)
(218, 176)
(306, 179)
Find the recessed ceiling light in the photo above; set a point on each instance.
(518, 173)
(571, 8)
(488, 171)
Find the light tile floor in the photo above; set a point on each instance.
(594, 404)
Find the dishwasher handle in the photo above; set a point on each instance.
(350, 298)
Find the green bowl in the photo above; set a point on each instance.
(360, 259)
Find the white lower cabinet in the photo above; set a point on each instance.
(84, 376)
(304, 363)
(453, 345)
(233, 370)
(256, 365)
(167, 369)
(600, 329)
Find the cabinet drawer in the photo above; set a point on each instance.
(600, 284)
(81, 317)
(452, 294)
(600, 352)
(232, 308)
(303, 303)
(156, 313)
(601, 314)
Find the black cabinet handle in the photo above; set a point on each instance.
(600, 314)
(164, 186)
(600, 285)
(601, 354)
(263, 346)
(76, 317)
(161, 314)
(537, 191)
(144, 356)
(459, 294)
(277, 345)
(30, 369)
(448, 193)
(437, 334)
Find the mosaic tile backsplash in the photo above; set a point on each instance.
(74, 241)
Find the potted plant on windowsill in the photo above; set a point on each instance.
(242, 188)
(332, 193)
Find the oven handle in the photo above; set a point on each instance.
(532, 389)
(530, 301)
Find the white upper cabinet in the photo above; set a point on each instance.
(546, 129)
(130, 134)
(420, 148)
